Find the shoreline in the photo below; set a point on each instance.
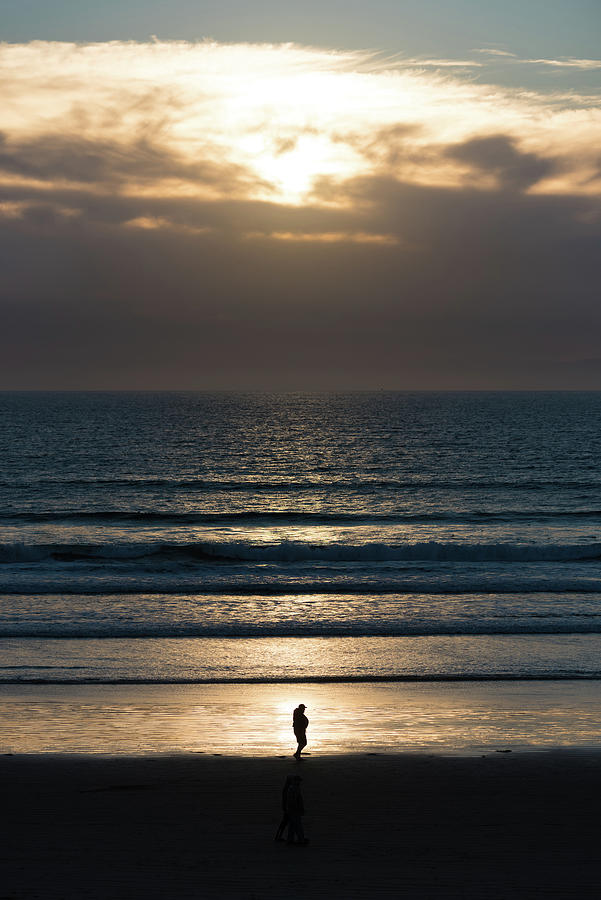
(255, 719)
(183, 826)
(566, 752)
(302, 679)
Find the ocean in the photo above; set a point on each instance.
(214, 537)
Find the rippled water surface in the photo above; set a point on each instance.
(136, 519)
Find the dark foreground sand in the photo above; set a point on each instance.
(507, 825)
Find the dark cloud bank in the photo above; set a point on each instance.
(485, 289)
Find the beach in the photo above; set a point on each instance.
(498, 825)
(422, 571)
(254, 720)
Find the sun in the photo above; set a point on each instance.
(289, 167)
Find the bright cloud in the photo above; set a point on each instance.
(564, 62)
(567, 63)
(269, 123)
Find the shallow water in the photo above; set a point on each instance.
(270, 659)
(256, 719)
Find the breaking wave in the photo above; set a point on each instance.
(297, 552)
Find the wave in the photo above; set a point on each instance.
(423, 579)
(391, 678)
(451, 584)
(246, 630)
(296, 552)
(294, 517)
(339, 483)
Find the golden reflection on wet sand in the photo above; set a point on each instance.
(256, 719)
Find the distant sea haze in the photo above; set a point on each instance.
(364, 521)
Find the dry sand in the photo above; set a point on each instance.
(506, 825)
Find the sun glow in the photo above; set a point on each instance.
(214, 121)
(291, 164)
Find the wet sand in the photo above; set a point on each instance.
(502, 825)
(256, 719)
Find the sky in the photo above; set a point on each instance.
(316, 196)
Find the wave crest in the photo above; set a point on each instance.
(298, 551)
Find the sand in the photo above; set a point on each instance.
(256, 719)
(392, 825)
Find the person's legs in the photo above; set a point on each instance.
(295, 828)
(302, 743)
(279, 835)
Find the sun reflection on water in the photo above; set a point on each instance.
(256, 720)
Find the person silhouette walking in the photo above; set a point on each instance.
(295, 809)
(299, 725)
(279, 835)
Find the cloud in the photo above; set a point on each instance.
(109, 164)
(473, 288)
(420, 62)
(263, 121)
(388, 147)
(204, 215)
(499, 156)
(326, 237)
(563, 62)
(495, 51)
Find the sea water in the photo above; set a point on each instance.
(178, 570)
(211, 537)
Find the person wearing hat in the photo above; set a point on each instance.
(299, 724)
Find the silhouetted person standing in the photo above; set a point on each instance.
(295, 809)
(299, 724)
